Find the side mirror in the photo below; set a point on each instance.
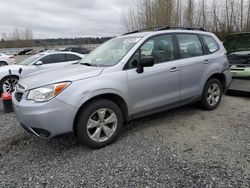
(39, 63)
(146, 61)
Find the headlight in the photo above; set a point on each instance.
(47, 93)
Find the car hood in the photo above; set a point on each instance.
(68, 73)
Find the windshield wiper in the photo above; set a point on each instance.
(87, 64)
(76, 63)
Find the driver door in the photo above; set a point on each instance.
(157, 86)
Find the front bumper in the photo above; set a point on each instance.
(240, 72)
(45, 120)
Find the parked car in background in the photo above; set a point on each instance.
(25, 51)
(33, 52)
(128, 77)
(77, 50)
(238, 51)
(38, 62)
(6, 60)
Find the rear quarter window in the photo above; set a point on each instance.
(211, 43)
(71, 57)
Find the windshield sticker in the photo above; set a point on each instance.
(132, 40)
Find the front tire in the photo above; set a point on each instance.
(8, 83)
(212, 94)
(99, 123)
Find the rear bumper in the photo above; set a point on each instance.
(45, 120)
(241, 72)
(228, 78)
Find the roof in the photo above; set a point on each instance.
(142, 34)
(165, 28)
(152, 31)
(59, 52)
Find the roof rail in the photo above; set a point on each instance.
(140, 30)
(164, 28)
(182, 28)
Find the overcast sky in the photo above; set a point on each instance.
(64, 18)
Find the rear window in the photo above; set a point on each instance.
(71, 57)
(212, 45)
(189, 45)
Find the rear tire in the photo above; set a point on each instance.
(99, 123)
(212, 95)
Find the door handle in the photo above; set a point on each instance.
(174, 69)
(207, 61)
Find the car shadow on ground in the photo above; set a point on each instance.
(151, 120)
(69, 142)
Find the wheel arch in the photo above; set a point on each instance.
(4, 62)
(221, 77)
(110, 96)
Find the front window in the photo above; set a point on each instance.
(111, 52)
(161, 48)
(31, 59)
(54, 58)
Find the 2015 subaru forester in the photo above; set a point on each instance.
(133, 75)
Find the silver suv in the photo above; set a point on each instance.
(128, 77)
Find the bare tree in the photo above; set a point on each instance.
(4, 36)
(221, 17)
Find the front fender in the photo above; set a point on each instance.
(79, 92)
(92, 94)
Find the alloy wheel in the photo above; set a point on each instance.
(214, 94)
(102, 125)
(9, 85)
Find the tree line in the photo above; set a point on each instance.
(18, 38)
(221, 17)
(25, 38)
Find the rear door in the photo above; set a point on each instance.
(159, 85)
(194, 62)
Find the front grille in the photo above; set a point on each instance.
(18, 96)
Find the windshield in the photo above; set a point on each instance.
(111, 52)
(30, 59)
(236, 43)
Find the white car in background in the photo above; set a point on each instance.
(6, 60)
(9, 75)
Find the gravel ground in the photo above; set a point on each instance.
(185, 147)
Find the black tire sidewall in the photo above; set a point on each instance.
(3, 80)
(86, 112)
(204, 103)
